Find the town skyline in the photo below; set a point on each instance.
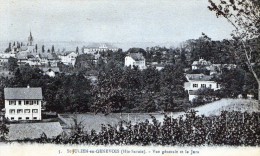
(110, 21)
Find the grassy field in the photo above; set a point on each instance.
(91, 121)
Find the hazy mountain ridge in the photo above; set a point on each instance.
(71, 45)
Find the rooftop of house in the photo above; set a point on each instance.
(23, 48)
(199, 77)
(23, 93)
(201, 62)
(6, 55)
(45, 55)
(136, 56)
(34, 130)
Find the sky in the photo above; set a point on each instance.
(110, 20)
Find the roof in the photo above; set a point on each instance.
(23, 93)
(34, 130)
(201, 62)
(24, 48)
(25, 55)
(199, 77)
(6, 55)
(137, 56)
(49, 56)
(22, 55)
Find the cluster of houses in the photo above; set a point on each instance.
(25, 104)
(33, 56)
(95, 49)
(138, 60)
(202, 64)
(201, 81)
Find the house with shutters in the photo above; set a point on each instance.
(199, 81)
(68, 58)
(201, 64)
(135, 59)
(23, 103)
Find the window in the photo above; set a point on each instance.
(11, 111)
(195, 85)
(12, 118)
(35, 102)
(35, 110)
(27, 111)
(35, 118)
(12, 102)
(31, 102)
(203, 85)
(19, 102)
(27, 102)
(210, 86)
(27, 118)
(19, 118)
(19, 111)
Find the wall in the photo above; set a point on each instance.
(23, 115)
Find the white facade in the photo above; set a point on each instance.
(96, 48)
(23, 109)
(132, 61)
(69, 59)
(201, 64)
(195, 85)
(4, 58)
(199, 81)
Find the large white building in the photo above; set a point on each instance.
(95, 48)
(4, 58)
(135, 59)
(68, 58)
(201, 64)
(199, 81)
(23, 103)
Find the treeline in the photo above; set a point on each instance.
(117, 89)
(134, 90)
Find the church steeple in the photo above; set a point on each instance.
(30, 39)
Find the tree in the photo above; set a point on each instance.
(108, 94)
(52, 49)
(77, 50)
(3, 131)
(43, 50)
(245, 18)
(9, 48)
(36, 48)
(232, 82)
(12, 64)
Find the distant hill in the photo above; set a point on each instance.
(69, 46)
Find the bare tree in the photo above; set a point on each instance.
(244, 15)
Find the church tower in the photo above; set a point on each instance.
(30, 39)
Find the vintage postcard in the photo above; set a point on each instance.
(129, 77)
